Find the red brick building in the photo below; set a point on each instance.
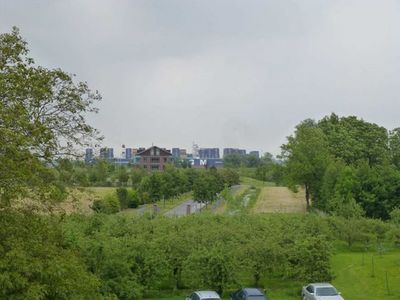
(154, 158)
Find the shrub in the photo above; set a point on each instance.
(395, 216)
(133, 199)
(122, 194)
(108, 205)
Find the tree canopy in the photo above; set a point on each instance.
(42, 116)
(347, 166)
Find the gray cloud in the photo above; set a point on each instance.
(222, 73)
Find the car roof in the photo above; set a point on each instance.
(321, 284)
(207, 294)
(253, 292)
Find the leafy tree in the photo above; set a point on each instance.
(395, 216)
(212, 268)
(122, 194)
(123, 176)
(108, 205)
(394, 146)
(252, 161)
(262, 257)
(231, 177)
(352, 139)
(379, 191)
(133, 198)
(201, 188)
(306, 157)
(35, 262)
(312, 263)
(207, 185)
(265, 169)
(343, 202)
(42, 115)
(233, 160)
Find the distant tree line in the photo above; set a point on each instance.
(265, 168)
(146, 187)
(347, 166)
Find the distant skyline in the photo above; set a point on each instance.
(224, 73)
(118, 150)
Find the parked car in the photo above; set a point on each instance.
(204, 295)
(320, 291)
(248, 294)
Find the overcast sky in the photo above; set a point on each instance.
(223, 73)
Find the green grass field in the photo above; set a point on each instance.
(101, 191)
(363, 276)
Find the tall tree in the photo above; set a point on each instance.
(394, 146)
(42, 116)
(352, 139)
(306, 157)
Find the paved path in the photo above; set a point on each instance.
(235, 188)
(141, 209)
(181, 209)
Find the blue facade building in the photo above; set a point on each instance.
(128, 153)
(209, 153)
(229, 151)
(176, 152)
(89, 155)
(107, 153)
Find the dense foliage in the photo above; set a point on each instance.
(35, 262)
(347, 166)
(134, 257)
(266, 168)
(41, 116)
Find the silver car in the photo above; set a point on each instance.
(320, 291)
(204, 295)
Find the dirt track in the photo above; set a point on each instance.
(280, 199)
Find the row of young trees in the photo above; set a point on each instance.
(152, 187)
(134, 257)
(346, 165)
(265, 168)
(121, 257)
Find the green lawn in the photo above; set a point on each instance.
(101, 191)
(357, 279)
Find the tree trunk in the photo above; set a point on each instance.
(257, 278)
(307, 197)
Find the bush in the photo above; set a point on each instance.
(108, 205)
(35, 262)
(122, 194)
(395, 216)
(133, 198)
